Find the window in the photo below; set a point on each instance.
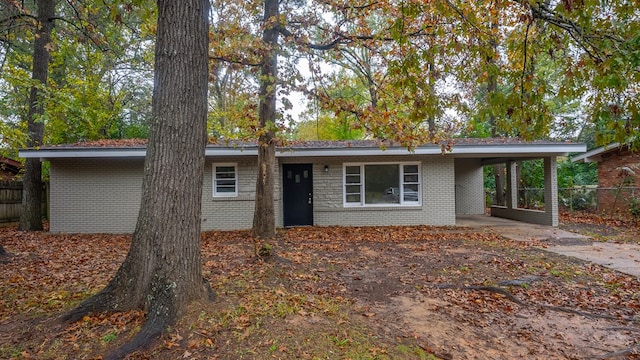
(382, 184)
(225, 181)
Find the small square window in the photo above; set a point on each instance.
(225, 181)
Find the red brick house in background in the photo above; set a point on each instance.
(9, 169)
(618, 177)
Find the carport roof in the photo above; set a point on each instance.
(463, 147)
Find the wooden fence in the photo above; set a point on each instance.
(11, 200)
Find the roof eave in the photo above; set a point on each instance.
(595, 155)
(484, 150)
(83, 153)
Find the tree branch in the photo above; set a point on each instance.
(342, 38)
(243, 62)
(18, 16)
(464, 18)
(583, 38)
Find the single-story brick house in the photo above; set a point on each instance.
(359, 183)
(618, 175)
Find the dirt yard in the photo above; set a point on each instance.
(333, 293)
(602, 227)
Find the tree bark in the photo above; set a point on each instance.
(492, 89)
(162, 271)
(264, 214)
(31, 215)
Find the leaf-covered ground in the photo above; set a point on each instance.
(332, 293)
(602, 227)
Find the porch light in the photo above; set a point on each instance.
(326, 168)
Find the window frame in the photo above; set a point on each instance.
(214, 180)
(362, 182)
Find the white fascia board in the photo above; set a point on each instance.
(354, 152)
(118, 153)
(518, 149)
(83, 153)
(457, 150)
(594, 155)
(211, 152)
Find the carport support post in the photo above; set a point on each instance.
(512, 185)
(551, 190)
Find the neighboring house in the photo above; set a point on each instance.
(618, 176)
(352, 183)
(10, 169)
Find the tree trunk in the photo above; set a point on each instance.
(31, 215)
(492, 89)
(162, 271)
(264, 215)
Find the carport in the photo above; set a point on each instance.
(470, 192)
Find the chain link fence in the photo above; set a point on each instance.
(624, 200)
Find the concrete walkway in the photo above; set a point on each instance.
(621, 257)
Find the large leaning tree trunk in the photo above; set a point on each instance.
(162, 271)
(31, 215)
(264, 214)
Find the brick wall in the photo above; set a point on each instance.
(101, 195)
(611, 197)
(96, 196)
(438, 192)
(234, 213)
(230, 213)
(469, 187)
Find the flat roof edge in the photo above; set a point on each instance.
(589, 156)
(463, 149)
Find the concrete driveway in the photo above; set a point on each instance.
(621, 257)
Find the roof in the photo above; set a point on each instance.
(9, 168)
(595, 155)
(464, 147)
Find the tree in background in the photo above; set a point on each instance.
(100, 74)
(31, 214)
(162, 271)
(82, 87)
(318, 123)
(232, 102)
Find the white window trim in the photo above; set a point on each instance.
(363, 181)
(217, 194)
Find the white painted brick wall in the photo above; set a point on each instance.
(437, 206)
(98, 196)
(470, 197)
(234, 213)
(89, 195)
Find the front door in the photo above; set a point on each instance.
(297, 194)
